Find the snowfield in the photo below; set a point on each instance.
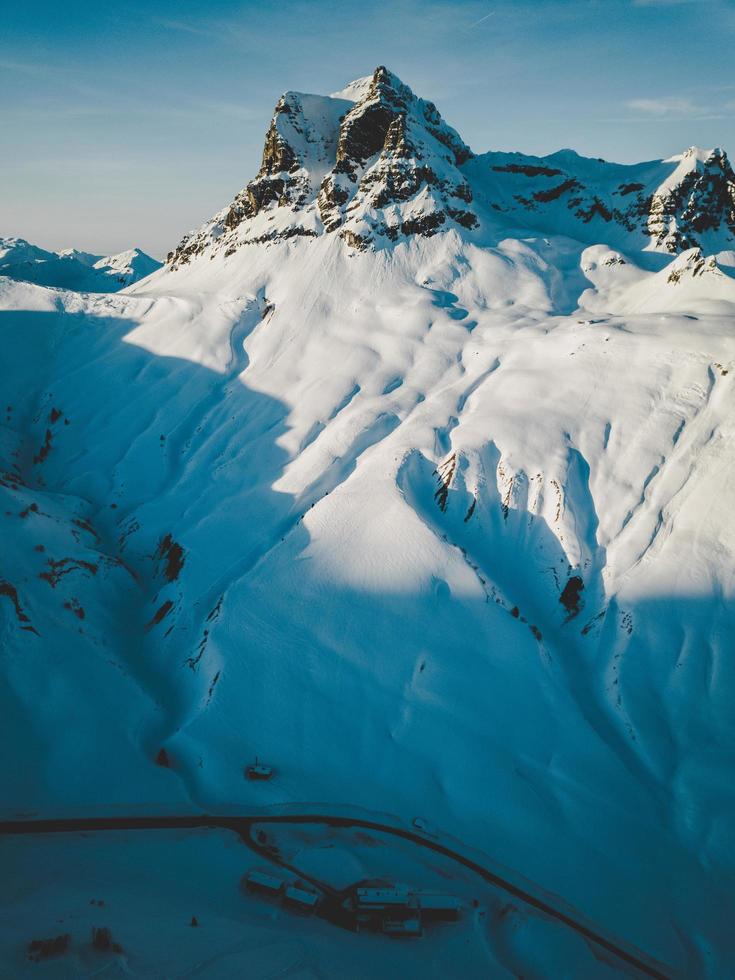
(438, 524)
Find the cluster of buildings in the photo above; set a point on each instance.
(295, 895)
(394, 910)
(398, 910)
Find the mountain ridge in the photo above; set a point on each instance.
(73, 269)
(382, 165)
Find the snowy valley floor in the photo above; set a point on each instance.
(176, 904)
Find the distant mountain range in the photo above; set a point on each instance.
(71, 269)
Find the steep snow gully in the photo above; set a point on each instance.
(410, 473)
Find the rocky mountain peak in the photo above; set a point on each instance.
(378, 163)
(392, 148)
(698, 198)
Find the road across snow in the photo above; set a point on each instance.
(245, 826)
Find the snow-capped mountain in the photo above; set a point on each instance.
(375, 164)
(371, 162)
(72, 269)
(667, 205)
(409, 473)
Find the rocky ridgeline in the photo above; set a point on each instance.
(375, 164)
(673, 205)
(383, 165)
(704, 200)
(394, 148)
(282, 178)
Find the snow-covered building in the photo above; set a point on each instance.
(261, 881)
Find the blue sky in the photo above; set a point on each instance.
(130, 123)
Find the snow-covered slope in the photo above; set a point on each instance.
(433, 515)
(72, 269)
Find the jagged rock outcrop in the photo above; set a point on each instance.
(691, 264)
(702, 200)
(379, 163)
(672, 205)
(393, 146)
(282, 178)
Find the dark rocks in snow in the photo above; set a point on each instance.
(691, 265)
(46, 949)
(554, 193)
(392, 147)
(364, 130)
(680, 200)
(631, 188)
(528, 171)
(571, 596)
(103, 942)
(703, 201)
(160, 614)
(170, 552)
(6, 589)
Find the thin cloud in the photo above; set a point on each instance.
(668, 106)
(42, 69)
(482, 20)
(661, 3)
(185, 27)
(672, 109)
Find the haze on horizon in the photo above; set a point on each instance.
(130, 126)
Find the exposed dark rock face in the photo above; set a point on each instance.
(691, 265)
(392, 146)
(528, 171)
(703, 201)
(571, 597)
(681, 200)
(280, 178)
(388, 148)
(284, 180)
(44, 949)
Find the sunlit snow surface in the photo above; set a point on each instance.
(321, 507)
(72, 269)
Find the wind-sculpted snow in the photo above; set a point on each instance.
(432, 546)
(441, 526)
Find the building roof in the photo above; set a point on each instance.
(382, 896)
(436, 901)
(303, 896)
(263, 880)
